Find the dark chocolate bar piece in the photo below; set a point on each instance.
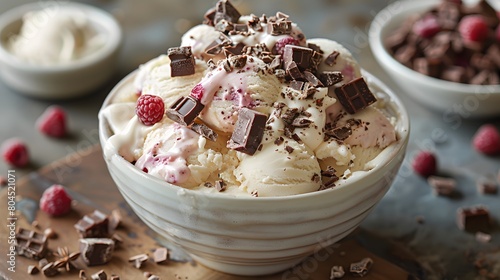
(355, 95)
(204, 131)
(226, 11)
(248, 131)
(300, 55)
(330, 78)
(474, 219)
(185, 110)
(332, 58)
(31, 244)
(181, 61)
(93, 225)
(96, 251)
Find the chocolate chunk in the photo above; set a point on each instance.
(204, 131)
(311, 78)
(225, 10)
(100, 275)
(330, 78)
(224, 26)
(486, 187)
(49, 270)
(241, 28)
(254, 23)
(31, 244)
(33, 269)
(114, 277)
(160, 255)
(185, 110)
(181, 61)
(355, 95)
(289, 115)
(93, 225)
(340, 133)
(238, 61)
(248, 131)
(301, 122)
(289, 149)
(337, 272)
(82, 275)
(474, 219)
(280, 27)
(316, 60)
(300, 55)
(218, 44)
(361, 268)
(96, 251)
(276, 63)
(43, 262)
(297, 85)
(441, 185)
(210, 16)
(234, 50)
(220, 185)
(332, 58)
(293, 71)
(117, 238)
(328, 172)
(139, 260)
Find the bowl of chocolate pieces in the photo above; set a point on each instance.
(444, 54)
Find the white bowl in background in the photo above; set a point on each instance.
(59, 81)
(444, 96)
(254, 236)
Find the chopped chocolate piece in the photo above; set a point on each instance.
(208, 185)
(289, 149)
(361, 268)
(483, 237)
(473, 219)
(43, 262)
(220, 185)
(330, 78)
(114, 220)
(340, 133)
(33, 269)
(209, 16)
(96, 251)
(224, 26)
(160, 255)
(254, 23)
(204, 131)
(114, 277)
(49, 270)
(329, 172)
(293, 71)
(218, 44)
(301, 122)
(279, 140)
(280, 73)
(241, 28)
(139, 260)
(248, 131)
(50, 233)
(93, 225)
(454, 74)
(100, 275)
(486, 186)
(297, 85)
(313, 79)
(442, 186)
(275, 63)
(355, 95)
(31, 244)
(280, 27)
(332, 58)
(185, 110)
(181, 61)
(315, 61)
(289, 115)
(225, 10)
(337, 272)
(235, 50)
(238, 61)
(316, 178)
(300, 55)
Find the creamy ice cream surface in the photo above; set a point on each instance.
(247, 106)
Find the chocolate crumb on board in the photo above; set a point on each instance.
(160, 255)
(474, 219)
(100, 275)
(441, 185)
(154, 277)
(96, 251)
(93, 225)
(362, 267)
(114, 277)
(33, 269)
(82, 275)
(485, 186)
(50, 233)
(42, 262)
(483, 237)
(337, 272)
(139, 260)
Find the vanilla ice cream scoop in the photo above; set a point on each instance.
(54, 36)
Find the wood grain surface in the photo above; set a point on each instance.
(85, 174)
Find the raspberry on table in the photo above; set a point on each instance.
(487, 140)
(15, 152)
(280, 45)
(197, 92)
(473, 28)
(55, 201)
(150, 109)
(52, 122)
(425, 163)
(427, 27)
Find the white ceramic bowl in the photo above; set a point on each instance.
(59, 81)
(254, 236)
(444, 96)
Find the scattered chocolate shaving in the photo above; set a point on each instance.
(362, 267)
(289, 149)
(208, 185)
(330, 78)
(255, 193)
(96, 251)
(100, 275)
(204, 131)
(33, 269)
(160, 255)
(181, 61)
(355, 95)
(337, 272)
(224, 26)
(31, 244)
(293, 71)
(93, 225)
(238, 61)
(315, 178)
(139, 260)
(474, 219)
(441, 185)
(279, 141)
(331, 59)
(185, 110)
(220, 185)
(248, 131)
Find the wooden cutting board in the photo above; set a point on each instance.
(86, 175)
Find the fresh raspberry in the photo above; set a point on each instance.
(473, 28)
(425, 163)
(197, 92)
(487, 140)
(52, 122)
(15, 152)
(279, 47)
(426, 27)
(55, 201)
(150, 109)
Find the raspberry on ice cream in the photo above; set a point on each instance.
(52, 122)
(55, 201)
(150, 109)
(15, 152)
(425, 163)
(487, 140)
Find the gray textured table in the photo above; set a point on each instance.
(154, 25)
